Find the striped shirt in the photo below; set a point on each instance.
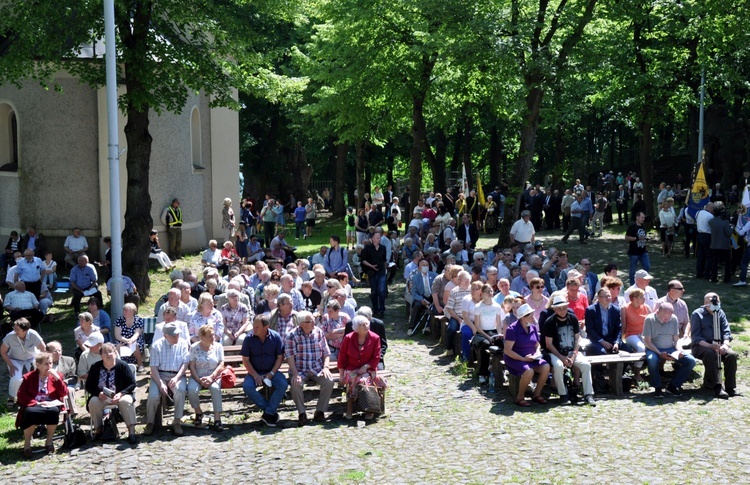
(21, 300)
(454, 299)
(167, 357)
(309, 350)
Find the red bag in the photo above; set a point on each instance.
(228, 378)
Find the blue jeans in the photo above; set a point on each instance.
(377, 291)
(466, 335)
(279, 383)
(450, 333)
(645, 264)
(744, 263)
(687, 362)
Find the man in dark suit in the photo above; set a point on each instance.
(377, 326)
(421, 293)
(603, 325)
(467, 232)
(536, 209)
(621, 197)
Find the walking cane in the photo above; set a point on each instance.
(717, 336)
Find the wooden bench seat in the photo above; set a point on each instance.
(616, 365)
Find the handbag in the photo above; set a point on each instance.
(74, 435)
(228, 378)
(368, 399)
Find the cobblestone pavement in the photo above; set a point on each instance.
(439, 428)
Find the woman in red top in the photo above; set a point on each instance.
(358, 362)
(37, 398)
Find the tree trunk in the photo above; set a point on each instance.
(438, 162)
(359, 150)
(644, 149)
(138, 221)
(342, 150)
(415, 154)
(494, 155)
(559, 156)
(456, 159)
(534, 97)
(467, 153)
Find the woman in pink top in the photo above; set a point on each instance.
(632, 316)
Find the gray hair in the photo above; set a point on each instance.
(365, 311)
(360, 320)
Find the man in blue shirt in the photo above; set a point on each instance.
(262, 355)
(587, 208)
(336, 259)
(299, 220)
(83, 280)
(29, 270)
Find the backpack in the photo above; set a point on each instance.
(350, 220)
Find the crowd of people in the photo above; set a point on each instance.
(544, 313)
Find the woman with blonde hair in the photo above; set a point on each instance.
(206, 365)
(129, 334)
(206, 314)
(227, 219)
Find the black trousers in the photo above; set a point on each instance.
(703, 255)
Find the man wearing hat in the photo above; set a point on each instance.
(562, 334)
(642, 281)
(90, 356)
(169, 360)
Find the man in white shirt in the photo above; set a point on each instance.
(75, 245)
(523, 230)
(703, 241)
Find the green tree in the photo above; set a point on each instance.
(166, 50)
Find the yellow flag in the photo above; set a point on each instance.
(480, 192)
(700, 185)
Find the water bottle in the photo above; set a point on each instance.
(491, 387)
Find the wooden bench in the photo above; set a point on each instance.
(233, 358)
(616, 365)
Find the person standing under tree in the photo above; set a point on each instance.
(637, 250)
(171, 217)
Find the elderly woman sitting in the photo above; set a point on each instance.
(333, 324)
(236, 317)
(206, 314)
(111, 382)
(129, 333)
(523, 356)
(40, 398)
(206, 364)
(358, 362)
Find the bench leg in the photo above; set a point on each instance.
(443, 332)
(615, 377)
(434, 326)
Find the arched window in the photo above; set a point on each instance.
(8, 138)
(195, 139)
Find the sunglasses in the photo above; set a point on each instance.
(538, 287)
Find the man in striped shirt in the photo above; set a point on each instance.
(306, 351)
(169, 360)
(452, 310)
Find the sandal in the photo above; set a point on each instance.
(218, 426)
(539, 400)
(50, 448)
(27, 453)
(523, 403)
(198, 420)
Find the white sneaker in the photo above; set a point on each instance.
(740, 283)
(482, 380)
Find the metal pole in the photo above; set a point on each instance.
(118, 295)
(700, 117)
